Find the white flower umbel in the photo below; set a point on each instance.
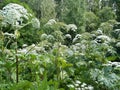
(51, 22)
(103, 39)
(9, 34)
(78, 82)
(35, 23)
(99, 32)
(112, 64)
(14, 14)
(77, 38)
(71, 27)
(68, 36)
(70, 86)
(17, 16)
(44, 36)
(118, 44)
(50, 38)
(90, 87)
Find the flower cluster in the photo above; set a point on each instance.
(103, 39)
(51, 22)
(118, 45)
(35, 23)
(113, 64)
(14, 14)
(71, 27)
(80, 86)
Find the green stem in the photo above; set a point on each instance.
(16, 57)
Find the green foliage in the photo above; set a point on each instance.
(107, 27)
(106, 14)
(118, 10)
(47, 10)
(106, 78)
(91, 21)
(22, 20)
(58, 56)
(44, 9)
(5, 2)
(34, 5)
(73, 12)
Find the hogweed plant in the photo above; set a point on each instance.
(17, 17)
(63, 59)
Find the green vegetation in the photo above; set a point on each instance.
(59, 45)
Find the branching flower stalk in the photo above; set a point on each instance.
(16, 57)
(17, 35)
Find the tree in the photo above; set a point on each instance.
(48, 10)
(118, 9)
(71, 11)
(34, 5)
(106, 14)
(91, 21)
(44, 9)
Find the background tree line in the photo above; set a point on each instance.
(70, 11)
(71, 45)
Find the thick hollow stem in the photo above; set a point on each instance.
(16, 57)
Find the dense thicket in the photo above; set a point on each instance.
(59, 44)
